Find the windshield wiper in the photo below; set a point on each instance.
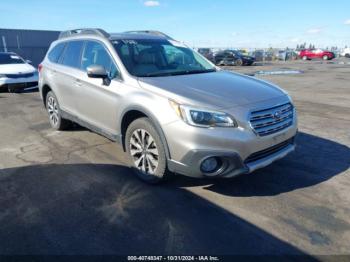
(187, 72)
(200, 71)
(157, 74)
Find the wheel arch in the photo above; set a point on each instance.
(132, 113)
(44, 91)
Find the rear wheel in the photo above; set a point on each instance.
(304, 57)
(239, 62)
(54, 113)
(222, 63)
(347, 55)
(146, 151)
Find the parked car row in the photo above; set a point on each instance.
(227, 57)
(230, 57)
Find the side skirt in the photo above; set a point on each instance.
(100, 131)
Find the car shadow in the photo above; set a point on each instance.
(95, 209)
(314, 161)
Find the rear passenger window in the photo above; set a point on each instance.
(96, 54)
(56, 52)
(71, 56)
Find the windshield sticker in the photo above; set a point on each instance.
(14, 57)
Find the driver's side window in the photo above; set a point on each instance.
(229, 54)
(95, 54)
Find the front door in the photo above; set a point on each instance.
(98, 102)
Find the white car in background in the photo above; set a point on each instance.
(16, 73)
(346, 52)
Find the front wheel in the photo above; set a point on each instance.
(325, 57)
(239, 62)
(146, 151)
(304, 57)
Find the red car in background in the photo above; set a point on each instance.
(309, 54)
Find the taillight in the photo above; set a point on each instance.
(40, 66)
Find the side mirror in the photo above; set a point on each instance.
(97, 71)
(29, 61)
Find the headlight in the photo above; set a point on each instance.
(203, 117)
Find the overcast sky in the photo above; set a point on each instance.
(226, 23)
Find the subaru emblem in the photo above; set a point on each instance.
(277, 115)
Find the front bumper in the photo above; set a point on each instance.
(241, 149)
(18, 83)
(234, 164)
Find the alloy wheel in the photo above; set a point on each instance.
(144, 151)
(52, 109)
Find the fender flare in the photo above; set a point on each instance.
(154, 121)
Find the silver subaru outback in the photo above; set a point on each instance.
(172, 110)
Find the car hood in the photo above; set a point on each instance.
(16, 68)
(221, 89)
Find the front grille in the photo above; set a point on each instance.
(20, 75)
(269, 151)
(271, 120)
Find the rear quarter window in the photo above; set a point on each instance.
(56, 52)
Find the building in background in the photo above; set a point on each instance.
(29, 44)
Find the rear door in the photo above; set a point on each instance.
(50, 69)
(67, 73)
(312, 53)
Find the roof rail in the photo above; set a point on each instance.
(151, 32)
(83, 31)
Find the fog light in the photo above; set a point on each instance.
(210, 165)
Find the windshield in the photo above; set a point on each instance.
(146, 58)
(10, 59)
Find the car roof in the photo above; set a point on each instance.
(136, 36)
(82, 33)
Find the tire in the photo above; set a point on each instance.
(146, 151)
(222, 63)
(304, 58)
(325, 57)
(239, 62)
(347, 55)
(54, 113)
